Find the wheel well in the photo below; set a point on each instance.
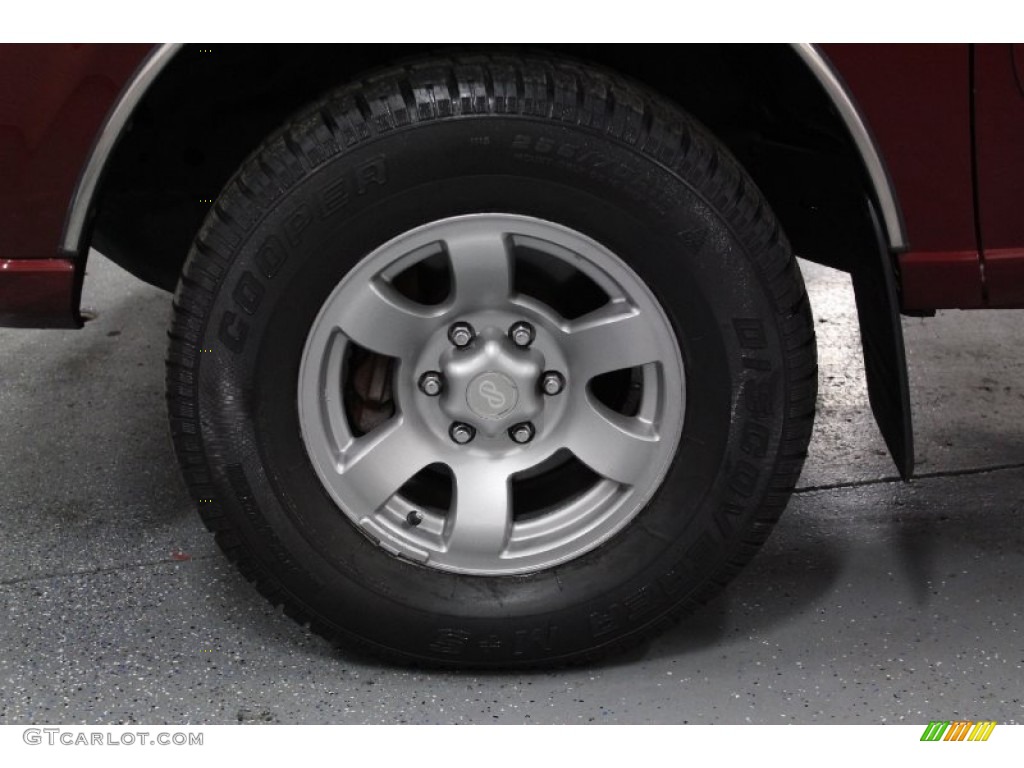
(208, 111)
(211, 107)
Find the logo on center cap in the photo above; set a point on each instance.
(491, 395)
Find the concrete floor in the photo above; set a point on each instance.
(874, 601)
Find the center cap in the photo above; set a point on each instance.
(491, 395)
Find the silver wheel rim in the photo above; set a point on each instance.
(493, 386)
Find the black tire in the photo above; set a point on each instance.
(539, 137)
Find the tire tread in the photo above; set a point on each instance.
(460, 88)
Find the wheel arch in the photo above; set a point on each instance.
(753, 115)
(194, 113)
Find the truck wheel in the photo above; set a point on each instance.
(491, 361)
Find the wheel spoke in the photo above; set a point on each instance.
(482, 517)
(378, 464)
(617, 447)
(608, 339)
(481, 267)
(379, 318)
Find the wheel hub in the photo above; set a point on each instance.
(490, 384)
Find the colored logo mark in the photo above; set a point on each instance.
(958, 730)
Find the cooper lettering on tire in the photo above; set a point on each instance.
(501, 374)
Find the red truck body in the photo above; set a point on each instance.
(53, 100)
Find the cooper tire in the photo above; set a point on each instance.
(583, 168)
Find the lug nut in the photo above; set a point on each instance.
(521, 433)
(431, 383)
(461, 334)
(521, 334)
(461, 433)
(552, 383)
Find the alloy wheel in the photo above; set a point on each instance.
(467, 414)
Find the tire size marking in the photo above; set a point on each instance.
(632, 178)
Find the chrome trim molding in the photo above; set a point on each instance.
(117, 119)
(858, 129)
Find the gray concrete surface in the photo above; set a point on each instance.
(873, 601)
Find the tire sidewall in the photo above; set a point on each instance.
(685, 248)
